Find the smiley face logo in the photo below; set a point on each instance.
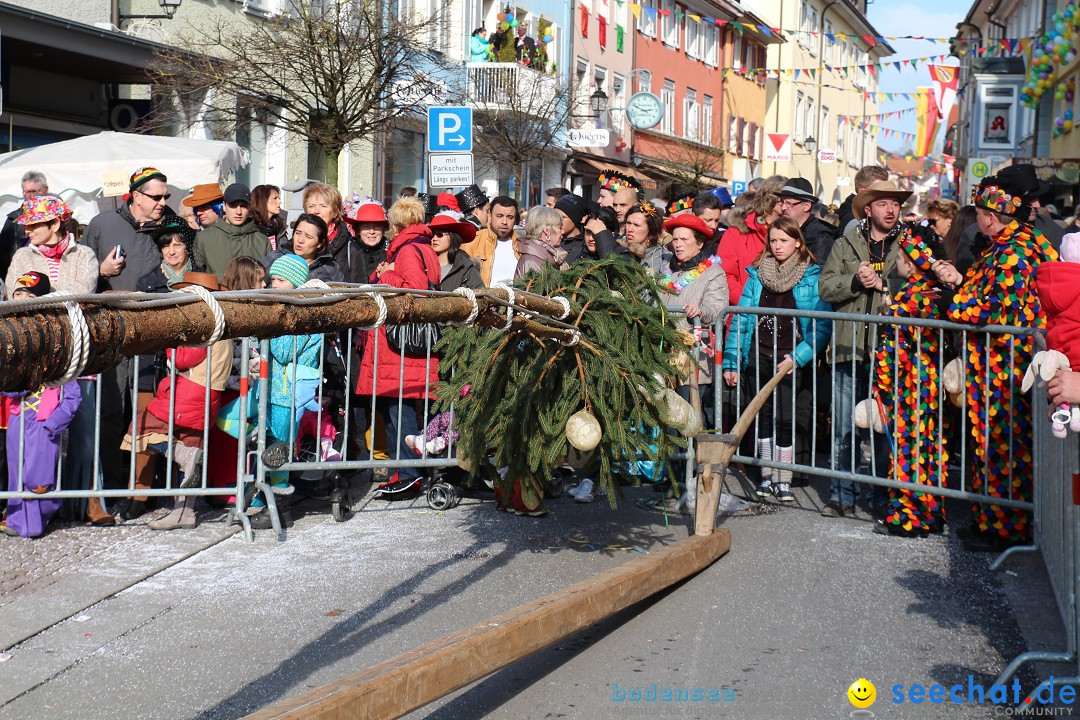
(862, 693)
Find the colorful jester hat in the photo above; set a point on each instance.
(922, 246)
(1000, 195)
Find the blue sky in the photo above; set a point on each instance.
(929, 18)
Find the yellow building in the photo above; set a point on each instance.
(824, 76)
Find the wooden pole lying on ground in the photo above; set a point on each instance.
(717, 450)
(35, 344)
(402, 684)
(410, 681)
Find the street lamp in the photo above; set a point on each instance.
(598, 102)
(597, 105)
(169, 6)
(810, 144)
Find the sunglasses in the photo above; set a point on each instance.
(156, 198)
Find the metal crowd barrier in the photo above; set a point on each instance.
(825, 366)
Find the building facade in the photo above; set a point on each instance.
(826, 77)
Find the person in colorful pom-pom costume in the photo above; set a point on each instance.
(999, 289)
(906, 387)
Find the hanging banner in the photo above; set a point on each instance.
(926, 122)
(946, 79)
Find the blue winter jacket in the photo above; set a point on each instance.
(806, 298)
(478, 49)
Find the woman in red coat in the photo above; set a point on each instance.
(742, 243)
(410, 263)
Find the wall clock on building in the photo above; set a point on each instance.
(644, 110)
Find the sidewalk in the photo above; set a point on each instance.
(799, 609)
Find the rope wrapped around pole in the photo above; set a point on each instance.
(36, 336)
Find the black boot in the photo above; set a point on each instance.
(261, 520)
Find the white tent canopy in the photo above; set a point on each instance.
(76, 169)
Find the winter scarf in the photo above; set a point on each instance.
(781, 277)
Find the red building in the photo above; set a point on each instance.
(686, 46)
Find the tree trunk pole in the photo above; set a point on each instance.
(35, 345)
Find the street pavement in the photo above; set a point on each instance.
(201, 624)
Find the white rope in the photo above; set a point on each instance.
(469, 295)
(377, 297)
(215, 310)
(510, 308)
(80, 342)
(565, 306)
(315, 283)
(575, 338)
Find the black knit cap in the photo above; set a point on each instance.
(574, 207)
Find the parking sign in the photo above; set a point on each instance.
(449, 129)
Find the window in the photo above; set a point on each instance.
(691, 116)
(599, 78)
(731, 130)
(647, 20)
(736, 51)
(712, 44)
(829, 44)
(617, 120)
(751, 141)
(669, 24)
(667, 97)
(693, 39)
(811, 118)
(581, 94)
(826, 130)
(740, 137)
(840, 143)
(706, 120)
(800, 116)
(760, 142)
(808, 27)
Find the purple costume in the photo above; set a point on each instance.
(45, 415)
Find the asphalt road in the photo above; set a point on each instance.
(799, 609)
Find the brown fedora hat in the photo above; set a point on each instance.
(203, 195)
(880, 189)
(206, 280)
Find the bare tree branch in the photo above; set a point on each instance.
(328, 72)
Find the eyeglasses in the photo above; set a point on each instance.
(791, 202)
(156, 198)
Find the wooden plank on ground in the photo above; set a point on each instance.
(409, 681)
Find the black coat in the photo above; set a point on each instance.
(463, 273)
(346, 250)
(819, 236)
(845, 212)
(12, 237)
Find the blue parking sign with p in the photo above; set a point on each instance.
(449, 129)
(738, 187)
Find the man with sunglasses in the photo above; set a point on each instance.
(126, 251)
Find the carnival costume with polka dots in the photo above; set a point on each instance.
(906, 385)
(999, 290)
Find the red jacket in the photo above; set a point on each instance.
(739, 250)
(392, 377)
(1058, 286)
(190, 403)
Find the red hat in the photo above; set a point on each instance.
(368, 212)
(446, 199)
(688, 220)
(450, 222)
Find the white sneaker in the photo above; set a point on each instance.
(586, 492)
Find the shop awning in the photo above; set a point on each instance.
(679, 174)
(600, 165)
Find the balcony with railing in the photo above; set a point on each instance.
(514, 87)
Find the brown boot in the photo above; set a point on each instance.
(97, 514)
(181, 517)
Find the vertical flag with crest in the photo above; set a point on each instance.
(946, 79)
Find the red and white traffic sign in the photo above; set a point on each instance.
(777, 147)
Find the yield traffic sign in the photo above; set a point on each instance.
(449, 129)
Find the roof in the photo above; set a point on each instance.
(74, 48)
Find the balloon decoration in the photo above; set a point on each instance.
(1055, 48)
(1065, 92)
(620, 144)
